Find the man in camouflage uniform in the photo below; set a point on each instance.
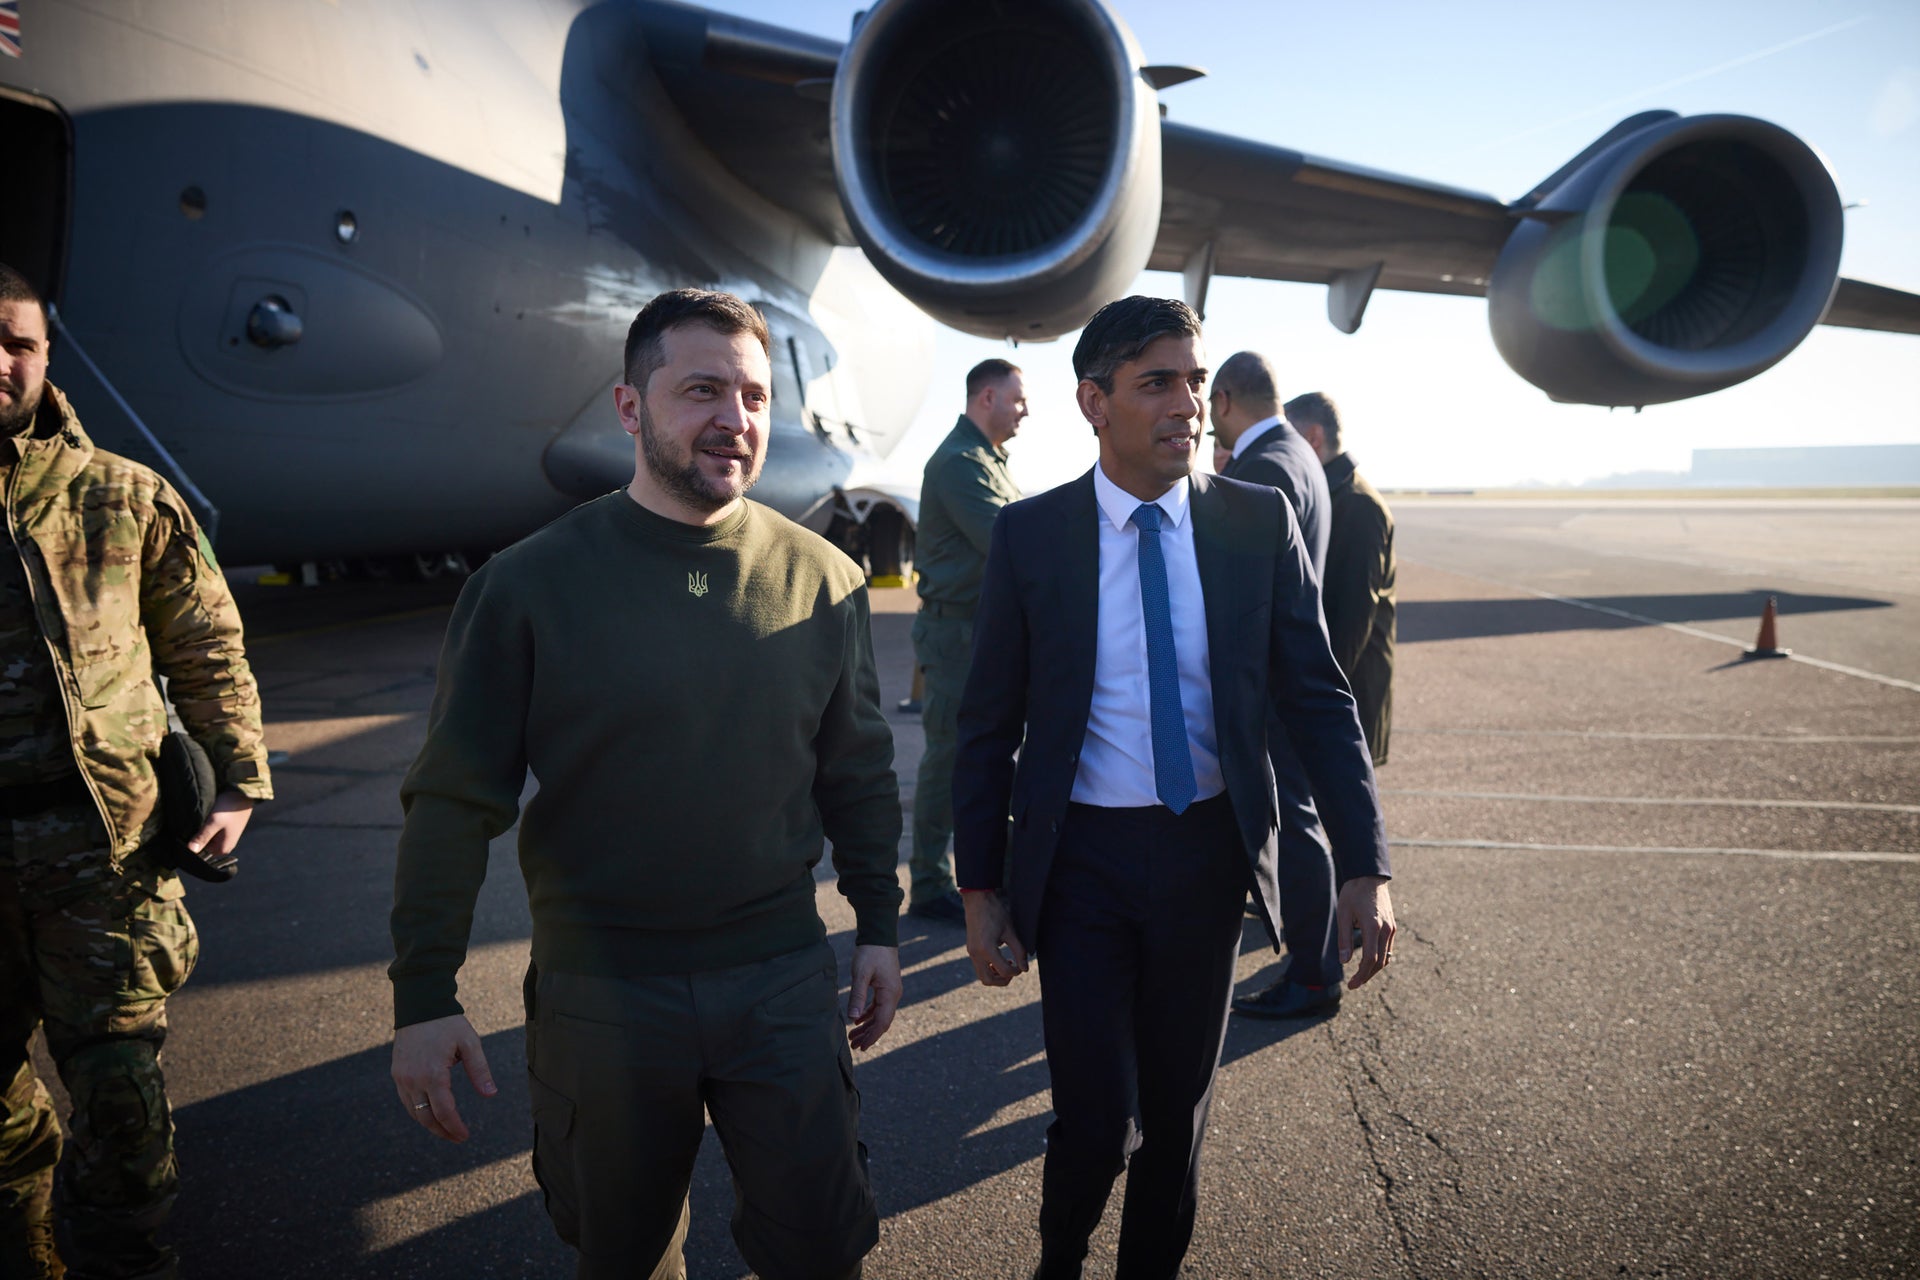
(965, 485)
(107, 581)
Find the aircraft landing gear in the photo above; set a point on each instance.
(889, 547)
(876, 536)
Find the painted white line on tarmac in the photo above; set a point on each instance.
(1861, 806)
(1681, 627)
(1790, 855)
(1628, 735)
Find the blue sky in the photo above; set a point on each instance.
(1494, 97)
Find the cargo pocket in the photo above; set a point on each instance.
(166, 947)
(553, 1157)
(845, 1058)
(812, 997)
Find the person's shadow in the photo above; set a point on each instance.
(300, 1175)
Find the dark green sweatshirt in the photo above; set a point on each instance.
(699, 709)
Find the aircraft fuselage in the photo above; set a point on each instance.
(461, 205)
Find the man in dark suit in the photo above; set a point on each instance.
(1136, 628)
(1244, 406)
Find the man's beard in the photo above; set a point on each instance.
(686, 482)
(17, 418)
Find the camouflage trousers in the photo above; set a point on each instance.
(90, 952)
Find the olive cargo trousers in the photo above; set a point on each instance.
(943, 648)
(624, 1072)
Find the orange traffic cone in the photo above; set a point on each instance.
(1766, 645)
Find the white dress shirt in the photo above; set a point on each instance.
(1253, 433)
(1116, 760)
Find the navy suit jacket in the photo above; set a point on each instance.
(1023, 716)
(1283, 459)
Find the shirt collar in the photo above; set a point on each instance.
(1118, 506)
(968, 424)
(1253, 433)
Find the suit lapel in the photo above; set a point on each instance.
(1078, 585)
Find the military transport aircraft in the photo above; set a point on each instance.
(361, 267)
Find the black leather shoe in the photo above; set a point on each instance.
(1288, 999)
(1056, 1270)
(945, 909)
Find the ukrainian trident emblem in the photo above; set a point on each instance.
(697, 583)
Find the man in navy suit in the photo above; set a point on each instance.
(1138, 630)
(1245, 410)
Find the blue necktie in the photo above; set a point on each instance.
(1172, 764)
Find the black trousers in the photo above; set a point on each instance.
(1304, 870)
(1139, 932)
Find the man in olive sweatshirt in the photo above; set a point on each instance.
(689, 677)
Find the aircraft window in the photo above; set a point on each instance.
(346, 227)
(803, 372)
(787, 398)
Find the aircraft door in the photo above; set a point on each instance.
(36, 215)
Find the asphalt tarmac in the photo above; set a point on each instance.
(1656, 1011)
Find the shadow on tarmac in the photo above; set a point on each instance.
(1420, 620)
(328, 909)
(288, 1169)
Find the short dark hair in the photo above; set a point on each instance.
(988, 372)
(721, 312)
(15, 287)
(1316, 408)
(1248, 376)
(1121, 330)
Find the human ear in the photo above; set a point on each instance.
(1093, 403)
(626, 403)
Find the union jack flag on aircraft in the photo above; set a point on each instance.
(10, 28)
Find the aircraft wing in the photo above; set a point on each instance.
(758, 96)
(1860, 305)
(1233, 207)
(1276, 214)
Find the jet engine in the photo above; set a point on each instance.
(999, 160)
(1684, 258)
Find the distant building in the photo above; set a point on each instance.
(1812, 467)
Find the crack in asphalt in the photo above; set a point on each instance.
(1401, 928)
(1380, 1170)
(1380, 1116)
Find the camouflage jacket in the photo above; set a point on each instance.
(125, 586)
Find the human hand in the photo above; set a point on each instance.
(224, 825)
(875, 995)
(423, 1055)
(989, 928)
(1365, 906)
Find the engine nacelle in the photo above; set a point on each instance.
(999, 162)
(1685, 258)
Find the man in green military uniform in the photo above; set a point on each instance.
(965, 485)
(1357, 591)
(108, 581)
